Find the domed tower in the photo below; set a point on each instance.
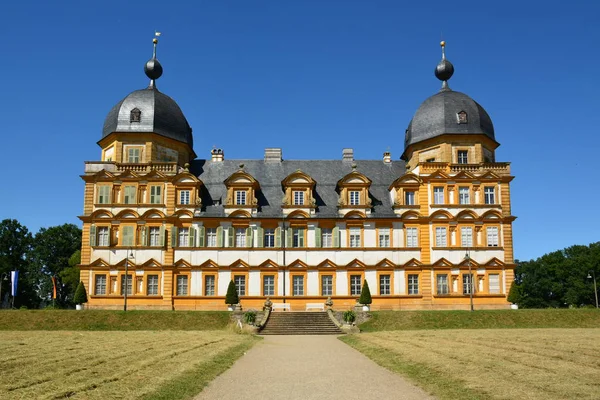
(147, 126)
(449, 127)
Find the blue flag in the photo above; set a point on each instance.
(14, 278)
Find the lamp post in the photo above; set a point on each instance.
(468, 258)
(590, 276)
(283, 240)
(3, 277)
(126, 278)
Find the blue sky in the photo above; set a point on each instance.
(311, 77)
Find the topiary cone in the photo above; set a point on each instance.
(80, 296)
(231, 297)
(365, 294)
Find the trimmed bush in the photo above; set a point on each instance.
(250, 317)
(232, 297)
(349, 316)
(80, 294)
(365, 294)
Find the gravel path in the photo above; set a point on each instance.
(305, 368)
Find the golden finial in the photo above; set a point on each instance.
(443, 43)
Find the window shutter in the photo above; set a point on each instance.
(192, 242)
(301, 237)
(289, 235)
(92, 235)
(336, 236)
(201, 236)
(127, 239)
(144, 230)
(318, 242)
(219, 236)
(174, 236)
(278, 237)
(260, 237)
(230, 236)
(161, 236)
(249, 237)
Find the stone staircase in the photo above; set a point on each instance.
(300, 323)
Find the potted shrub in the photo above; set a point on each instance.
(349, 317)
(250, 317)
(80, 296)
(231, 298)
(365, 296)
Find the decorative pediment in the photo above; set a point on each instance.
(269, 264)
(466, 215)
(185, 178)
(153, 214)
(241, 178)
(441, 215)
(130, 263)
(128, 175)
(492, 216)
(355, 214)
(406, 180)
(181, 263)
(468, 261)
(464, 175)
(442, 262)
(298, 264)
(183, 214)
(209, 264)
(298, 187)
(298, 178)
(410, 215)
(327, 264)
(494, 262)
(127, 214)
(489, 176)
(152, 263)
(413, 262)
(354, 178)
(356, 263)
(239, 263)
(98, 214)
(439, 174)
(385, 263)
(99, 263)
(154, 175)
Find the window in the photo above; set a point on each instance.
(297, 285)
(492, 236)
(298, 198)
(129, 195)
(385, 284)
(129, 285)
(463, 195)
(155, 195)
(240, 284)
(269, 285)
(409, 198)
(182, 285)
(438, 195)
(297, 237)
(411, 237)
(466, 236)
(430, 160)
(440, 237)
(152, 285)
(155, 236)
(184, 237)
(468, 283)
(461, 117)
(413, 284)
(489, 194)
(494, 281)
(103, 194)
(326, 237)
(384, 237)
(463, 156)
(327, 285)
(135, 115)
(240, 197)
(211, 237)
(355, 285)
(240, 237)
(442, 284)
(209, 285)
(103, 236)
(354, 236)
(127, 239)
(184, 197)
(269, 240)
(354, 198)
(100, 285)
(133, 155)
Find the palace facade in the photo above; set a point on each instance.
(171, 230)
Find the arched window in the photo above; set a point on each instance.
(462, 117)
(135, 116)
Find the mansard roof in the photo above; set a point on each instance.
(326, 174)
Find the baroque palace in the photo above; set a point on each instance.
(163, 229)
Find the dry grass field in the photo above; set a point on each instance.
(492, 363)
(113, 365)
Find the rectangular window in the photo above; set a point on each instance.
(129, 285)
(494, 280)
(298, 198)
(133, 156)
(129, 193)
(184, 237)
(152, 285)
(240, 237)
(297, 285)
(269, 239)
(103, 194)
(327, 285)
(442, 284)
(269, 285)
(184, 197)
(463, 156)
(240, 284)
(211, 237)
(355, 237)
(409, 198)
(127, 239)
(466, 236)
(489, 194)
(385, 284)
(413, 284)
(240, 197)
(438, 195)
(100, 288)
(326, 237)
(492, 236)
(468, 284)
(209, 285)
(354, 198)
(298, 237)
(154, 232)
(384, 237)
(182, 285)
(411, 237)
(355, 281)
(103, 236)
(440, 237)
(463, 195)
(155, 195)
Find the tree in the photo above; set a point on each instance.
(70, 275)
(365, 294)
(232, 297)
(15, 244)
(80, 296)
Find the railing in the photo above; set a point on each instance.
(96, 166)
(500, 168)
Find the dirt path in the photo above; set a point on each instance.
(305, 368)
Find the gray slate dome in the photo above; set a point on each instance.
(159, 114)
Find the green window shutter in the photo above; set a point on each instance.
(289, 235)
(301, 237)
(144, 235)
(161, 237)
(318, 237)
(201, 236)
(127, 236)
(192, 236)
(220, 236)
(93, 235)
(174, 236)
(260, 237)
(336, 237)
(278, 237)
(249, 237)
(230, 236)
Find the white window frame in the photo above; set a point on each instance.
(354, 197)
(184, 237)
(154, 233)
(442, 285)
(184, 196)
(489, 194)
(326, 237)
(438, 195)
(492, 236)
(441, 236)
(326, 285)
(103, 236)
(297, 285)
(384, 237)
(466, 278)
(211, 237)
(355, 285)
(240, 284)
(354, 236)
(412, 237)
(240, 237)
(466, 236)
(413, 284)
(100, 285)
(155, 194)
(209, 287)
(129, 284)
(464, 195)
(462, 156)
(182, 285)
(129, 198)
(103, 194)
(409, 198)
(268, 285)
(298, 198)
(240, 197)
(134, 155)
(152, 285)
(269, 237)
(385, 284)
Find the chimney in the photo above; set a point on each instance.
(348, 155)
(387, 157)
(273, 155)
(217, 155)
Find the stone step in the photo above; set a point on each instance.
(300, 323)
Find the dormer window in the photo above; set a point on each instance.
(240, 197)
(463, 156)
(298, 198)
(461, 117)
(298, 193)
(354, 198)
(354, 194)
(135, 115)
(241, 193)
